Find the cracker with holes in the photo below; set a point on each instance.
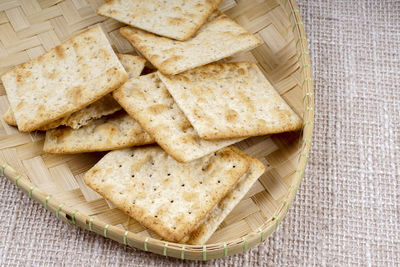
(231, 100)
(147, 100)
(102, 107)
(108, 133)
(63, 80)
(176, 19)
(168, 197)
(219, 38)
(216, 216)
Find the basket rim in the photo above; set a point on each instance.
(207, 251)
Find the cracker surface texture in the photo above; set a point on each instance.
(219, 38)
(217, 215)
(108, 133)
(231, 100)
(63, 80)
(176, 19)
(166, 196)
(147, 100)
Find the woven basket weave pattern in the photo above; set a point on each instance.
(29, 28)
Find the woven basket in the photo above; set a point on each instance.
(29, 28)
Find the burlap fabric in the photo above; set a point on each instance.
(347, 211)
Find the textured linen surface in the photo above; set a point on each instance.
(347, 211)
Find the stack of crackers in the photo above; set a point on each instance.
(186, 176)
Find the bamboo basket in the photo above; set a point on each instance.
(29, 28)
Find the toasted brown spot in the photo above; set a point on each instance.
(60, 52)
(246, 101)
(172, 60)
(75, 94)
(241, 71)
(184, 78)
(154, 58)
(157, 109)
(176, 21)
(94, 171)
(283, 115)
(190, 139)
(41, 108)
(166, 181)
(103, 53)
(61, 134)
(261, 123)
(163, 210)
(20, 105)
(185, 125)
(189, 196)
(231, 115)
(137, 94)
(137, 165)
(51, 74)
(197, 113)
(108, 128)
(141, 195)
(208, 167)
(22, 75)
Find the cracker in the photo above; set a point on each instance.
(176, 19)
(63, 80)
(216, 216)
(231, 100)
(133, 65)
(147, 100)
(9, 118)
(166, 196)
(103, 107)
(217, 39)
(108, 133)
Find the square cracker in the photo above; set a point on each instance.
(147, 100)
(216, 216)
(108, 133)
(168, 197)
(219, 38)
(176, 19)
(63, 80)
(103, 107)
(231, 100)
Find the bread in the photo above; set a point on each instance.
(219, 38)
(216, 216)
(176, 19)
(108, 133)
(63, 80)
(168, 197)
(231, 100)
(147, 100)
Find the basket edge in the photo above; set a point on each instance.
(197, 252)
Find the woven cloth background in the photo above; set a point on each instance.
(347, 211)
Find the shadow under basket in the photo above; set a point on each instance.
(56, 181)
